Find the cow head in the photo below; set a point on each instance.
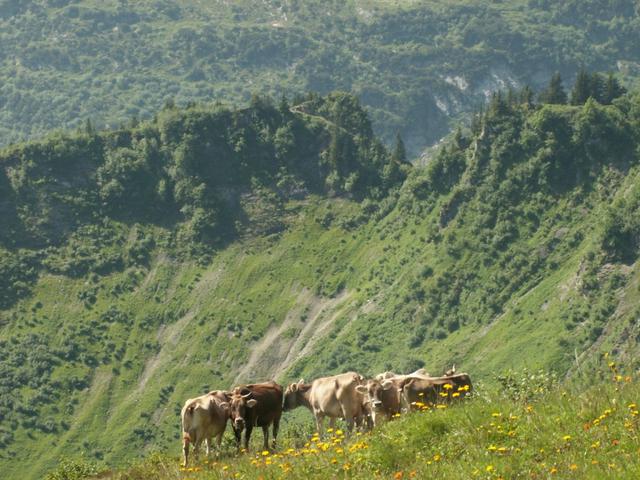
(239, 402)
(373, 391)
(293, 395)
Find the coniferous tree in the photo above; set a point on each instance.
(283, 106)
(399, 152)
(88, 127)
(597, 87)
(612, 90)
(582, 89)
(526, 96)
(554, 93)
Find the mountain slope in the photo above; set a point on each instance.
(137, 275)
(414, 64)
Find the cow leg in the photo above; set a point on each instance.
(265, 436)
(219, 443)
(247, 436)
(276, 427)
(185, 451)
(349, 420)
(196, 449)
(207, 445)
(332, 422)
(238, 434)
(319, 422)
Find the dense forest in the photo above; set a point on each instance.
(210, 245)
(414, 65)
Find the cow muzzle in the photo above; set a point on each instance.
(239, 422)
(376, 404)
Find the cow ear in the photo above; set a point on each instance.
(387, 384)
(293, 387)
(252, 402)
(224, 405)
(361, 389)
(301, 382)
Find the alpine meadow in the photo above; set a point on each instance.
(196, 197)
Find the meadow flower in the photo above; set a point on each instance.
(489, 468)
(566, 438)
(265, 453)
(447, 386)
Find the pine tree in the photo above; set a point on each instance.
(612, 90)
(554, 93)
(582, 89)
(283, 106)
(597, 88)
(88, 127)
(399, 151)
(526, 96)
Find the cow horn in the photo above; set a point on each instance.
(301, 382)
(246, 395)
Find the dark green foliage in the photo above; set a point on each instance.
(18, 271)
(621, 228)
(554, 93)
(87, 64)
(191, 168)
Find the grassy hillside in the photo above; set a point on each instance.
(414, 64)
(137, 275)
(525, 432)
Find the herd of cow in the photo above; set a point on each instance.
(359, 401)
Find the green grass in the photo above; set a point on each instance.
(555, 432)
(517, 278)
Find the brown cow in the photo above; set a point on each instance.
(435, 390)
(382, 398)
(203, 418)
(333, 397)
(258, 404)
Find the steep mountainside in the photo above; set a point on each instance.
(414, 64)
(213, 246)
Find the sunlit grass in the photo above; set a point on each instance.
(561, 432)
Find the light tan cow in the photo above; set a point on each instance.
(332, 397)
(383, 399)
(421, 372)
(203, 418)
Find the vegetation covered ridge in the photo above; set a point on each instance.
(137, 278)
(415, 65)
